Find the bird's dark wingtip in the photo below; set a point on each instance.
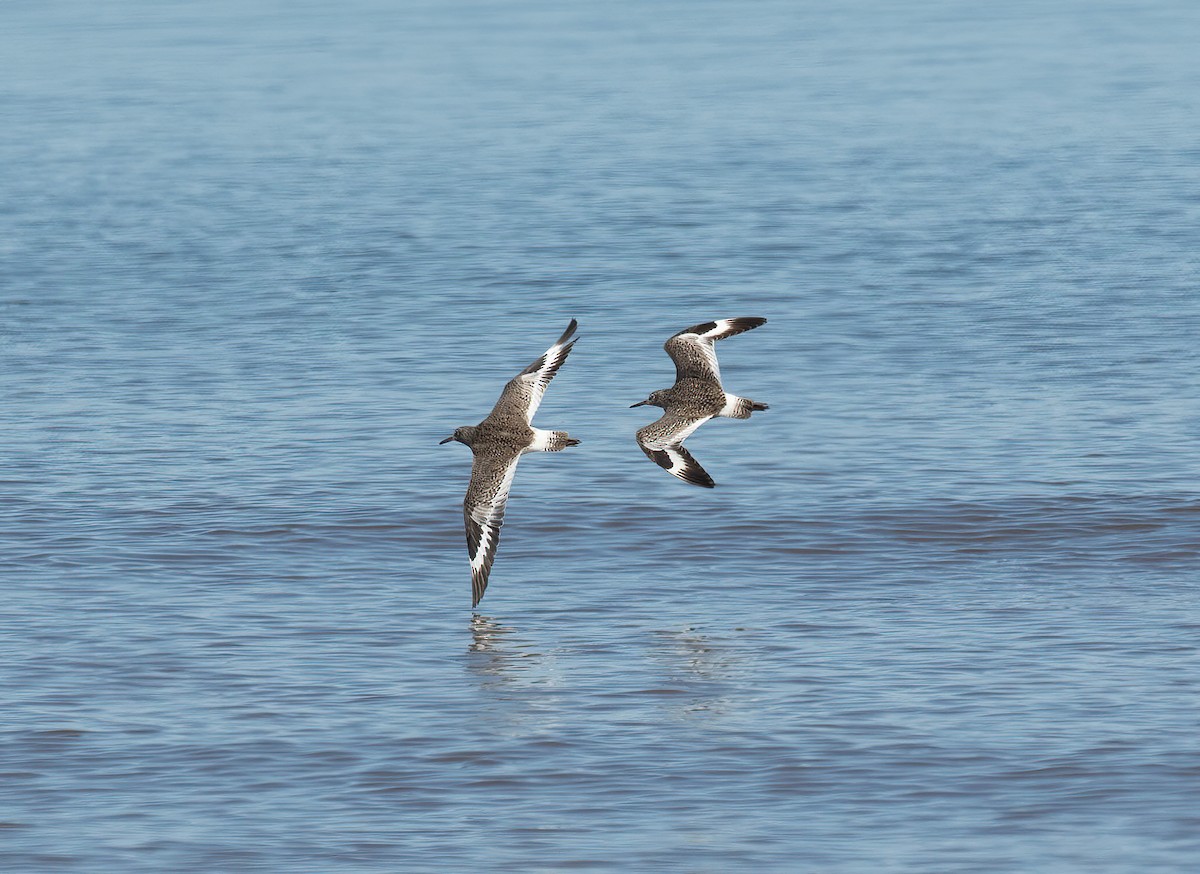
(566, 335)
(746, 323)
(479, 583)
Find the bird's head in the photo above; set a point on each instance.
(656, 399)
(465, 434)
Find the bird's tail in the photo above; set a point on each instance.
(552, 441)
(741, 408)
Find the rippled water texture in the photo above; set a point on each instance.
(939, 615)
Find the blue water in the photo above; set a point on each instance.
(940, 613)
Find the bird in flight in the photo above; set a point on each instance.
(498, 442)
(696, 397)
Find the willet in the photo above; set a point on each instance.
(498, 443)
(696, 397)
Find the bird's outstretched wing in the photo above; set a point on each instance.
(662, 441)
(692, 348)
(483, 514)
(525, 390)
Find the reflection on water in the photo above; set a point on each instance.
(708, 669)
(496, 653)
(697, 654)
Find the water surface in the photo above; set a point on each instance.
(940, 613)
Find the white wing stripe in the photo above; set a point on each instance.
(723, 325)
(486, 516)
(707, 349)
(669, 440)
(678, 462)
(540, 379)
